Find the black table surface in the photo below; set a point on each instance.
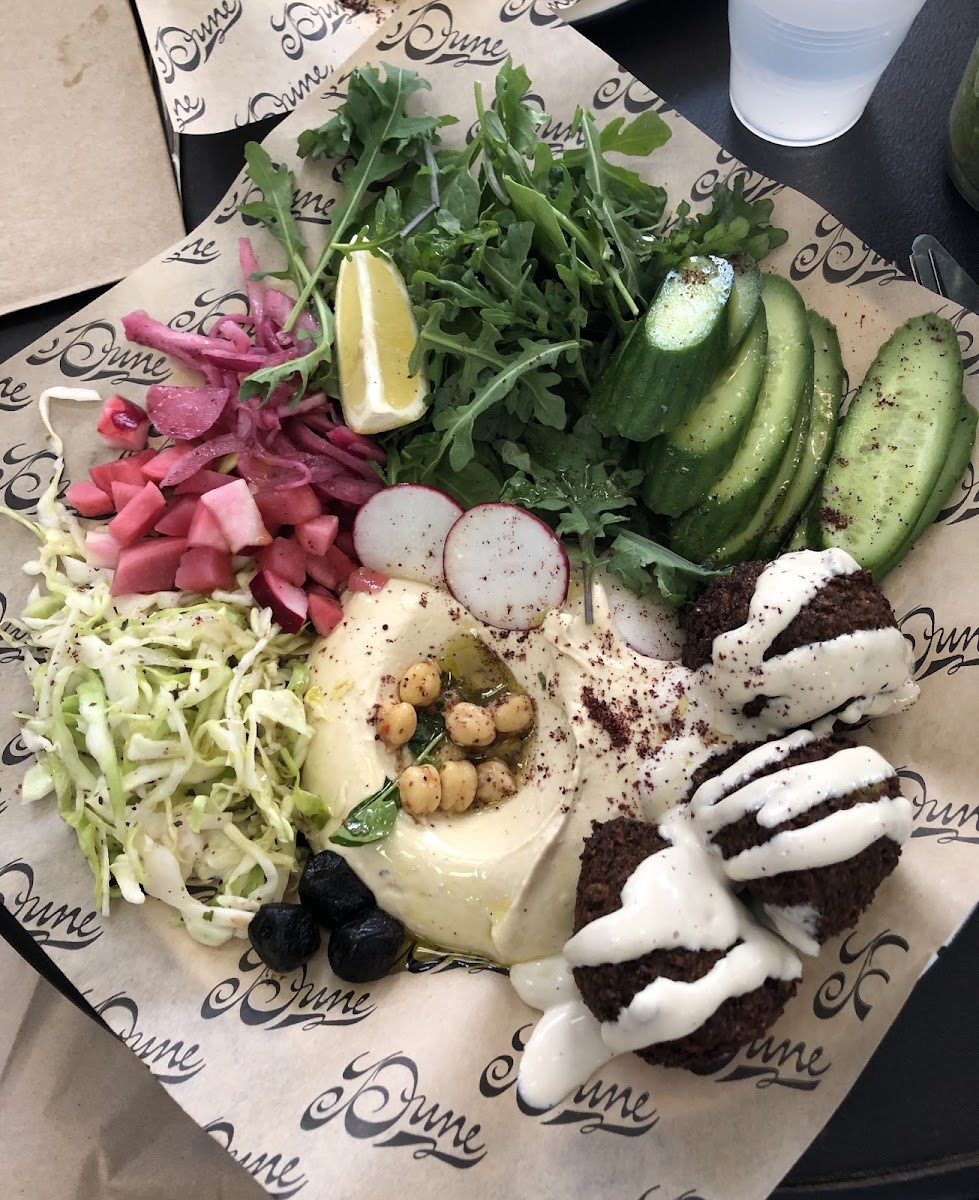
(909, 1129)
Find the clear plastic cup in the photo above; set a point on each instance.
(802, 71)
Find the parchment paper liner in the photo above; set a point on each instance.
(410, 1082)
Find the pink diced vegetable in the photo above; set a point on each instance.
(139, 516)
(205, 530)
(149, 566)
(158, 466)
(89, 500)
(317, 535)
(202, 481)
(285, 558)
(289, 506)
(101, 549)
(205, 569)
(324, 611)
(289, 604)
(237, 515)
(122, 424)
(363, 579)
(122, 493)
(123, 470)
(178, 516)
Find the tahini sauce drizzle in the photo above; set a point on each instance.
(681, 896)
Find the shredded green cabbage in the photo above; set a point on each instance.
(172, 731)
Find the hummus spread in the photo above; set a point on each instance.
(495, 881)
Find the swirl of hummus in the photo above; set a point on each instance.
(494, 881)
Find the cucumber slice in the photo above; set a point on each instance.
(682, 466)
(959, 457)
(733, 500)
(672, 355)
(744, 544)
(827, 395)
(745, 302)
(892, 444)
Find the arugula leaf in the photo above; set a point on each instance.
(640, 563)
(274, 210)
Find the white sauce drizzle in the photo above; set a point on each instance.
(677, 897)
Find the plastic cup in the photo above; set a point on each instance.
(802, 71)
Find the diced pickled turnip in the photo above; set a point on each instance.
(202, 481)
(364, 579)
(157, 467)
(178, 517)
(122, 424)
(120, 470)
(317, 535)
(285, 558)
(122, 493)
(204, 529)
(89, 500)
(402, 529)
(139, 516)
(237, 515)
(289, 506)
(205, 569)
(101, 549)
(331, 569)
(149, 566)
(289, 604)
(505, 565)
(649, 628)
(185, 412)
(324, 611)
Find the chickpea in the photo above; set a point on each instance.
(396, 724)
(494, 781)
(421, 684)
(420, 789)
(470, 725)
(513, 714)
(458, 785)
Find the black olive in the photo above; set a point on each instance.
(284, 936)
(366, 947)
(331, 890)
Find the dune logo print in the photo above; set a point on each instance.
(839, 257)
(938, 650)
(208, 306)
(540, 12)
(53, 926)
(198, 252)
(597, 1106)
(768, 1062)
(945, 821)
(264, 999)
(10, 646)
(24, 475)
(656, 1193)
(171, 1060)
(15, 751)
(963, 503)
(728, 170)
(302, 23)
(429, 34)
(381, 1102)
(267, 104)
(419, 961)
(187, 109)
(280, 1176)
(846, 989)
(311, 207)
(14, 394)
(180, 49)
(93, 352)
(626, 90)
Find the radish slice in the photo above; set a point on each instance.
(506, 566)
(402, 529)
(649, 628)
(185, 412)
(288, 603)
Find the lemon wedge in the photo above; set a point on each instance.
(375, 334)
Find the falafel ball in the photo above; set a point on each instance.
(822, 901)
(612, 852)
(844, 604)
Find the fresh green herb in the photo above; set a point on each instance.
(524, 275)
(542, 680)
(373, 818)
